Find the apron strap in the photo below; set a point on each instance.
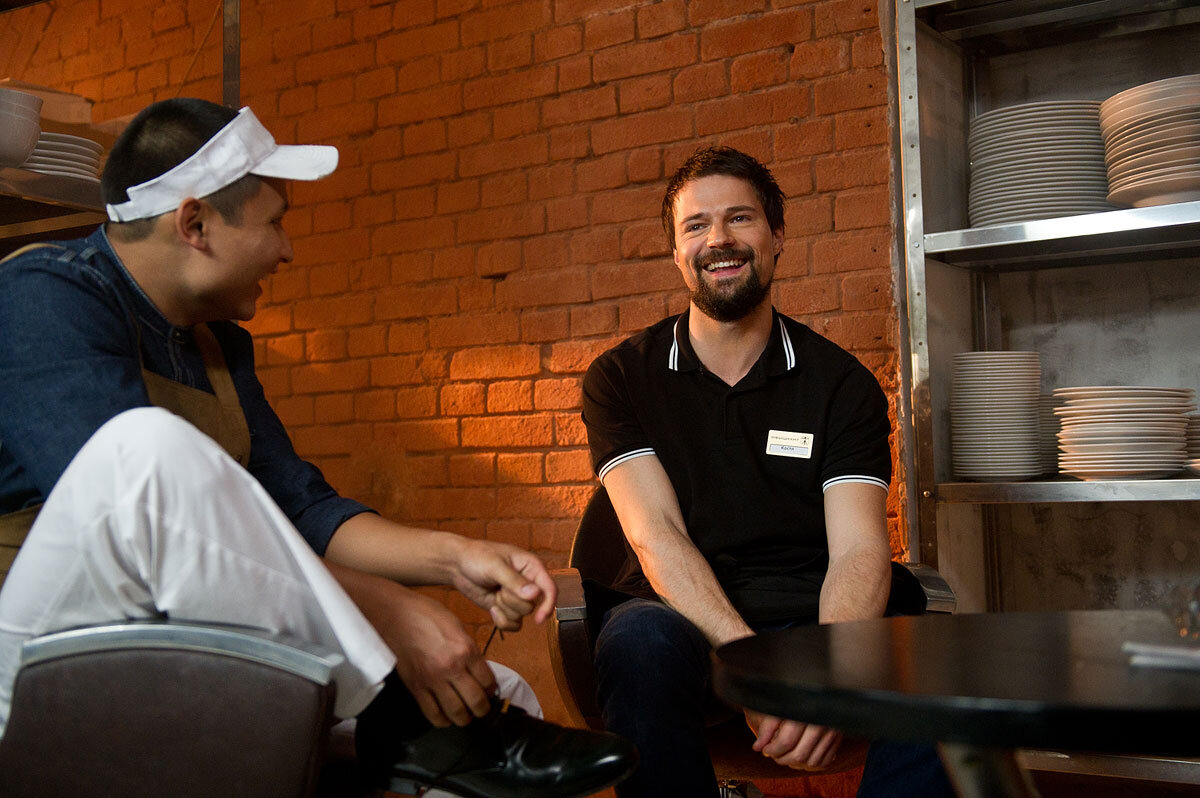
(28, 248)
(216, 368)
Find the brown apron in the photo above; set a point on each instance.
(218, 416)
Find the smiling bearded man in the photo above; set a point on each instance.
(747, 460)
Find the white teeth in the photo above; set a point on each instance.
(724, 264)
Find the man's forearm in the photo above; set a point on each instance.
(685, 581)
(411, 556)
(856, 586)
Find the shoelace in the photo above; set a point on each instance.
(491, 636)
(504, 703)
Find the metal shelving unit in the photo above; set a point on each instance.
(955, 59)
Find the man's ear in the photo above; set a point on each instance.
(191, 222)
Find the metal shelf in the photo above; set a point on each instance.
(1016, 25)
(1159, 232)
(1069, 490)
(35, 207)
(1176, 770)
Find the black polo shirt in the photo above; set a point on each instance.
(749, 463)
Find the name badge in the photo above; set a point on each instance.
(789, 444)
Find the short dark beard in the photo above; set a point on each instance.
(728, 307)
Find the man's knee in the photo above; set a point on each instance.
(149, 438)
(645, 636)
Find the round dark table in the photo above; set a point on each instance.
(979, 684)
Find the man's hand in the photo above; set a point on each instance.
(801, 746)
(508, 582)
(437, 660)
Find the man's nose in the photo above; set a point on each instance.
(719, 236)
(285, 251)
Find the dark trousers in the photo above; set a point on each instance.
(654, 687)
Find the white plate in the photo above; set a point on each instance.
(55, 169)
(1132, 447)
(999, 366)
(1016, 147)
(1090, 431)
(1087, 391)
(60, 163)
(1147, 158)
(1038, 108)
(1022, 190)
(60, 173)
(1143, 142)
(1166, 413)
(982, 382)
(1139, 124)
(1124, 457)
(1035, 127)
(1129, 403)
(1035, 214)
(1188, 169)
(1036, 140)
(1100, 476)
(1153, 133)
(79, 141)
(1177, 92)
(66, 151)
(1034, 211)
(1060, 158)
(1158, 192)
(1026, 408)
(1038, 162)
(1109, 439)
(965, 376)
(1021, 147)
(1005, 186)
(1086, 189)
(1085, 118)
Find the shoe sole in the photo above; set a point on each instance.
(410, 783)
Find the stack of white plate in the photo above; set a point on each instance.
(994, 415)
(1036, 161)
(1123, 431)
(66, 156)
(1152, 142)
(1193, 444)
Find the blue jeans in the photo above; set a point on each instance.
(653, 682)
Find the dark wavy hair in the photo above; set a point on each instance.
(724, 161)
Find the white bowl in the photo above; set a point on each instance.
(18, 137)
(20, 110)
(20, 98)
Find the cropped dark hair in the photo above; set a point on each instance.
(160, 138)
(724, 161)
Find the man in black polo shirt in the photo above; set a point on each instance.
(747, 459)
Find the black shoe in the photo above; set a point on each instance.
(506, 754)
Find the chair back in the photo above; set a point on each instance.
(163, 717)
(598, 550)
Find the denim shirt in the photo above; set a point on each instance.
(71, 318)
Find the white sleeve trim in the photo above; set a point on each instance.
(853, 478)
(624, 458)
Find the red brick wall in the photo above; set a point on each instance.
(493, 223)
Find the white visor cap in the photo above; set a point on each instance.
(243, 147)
